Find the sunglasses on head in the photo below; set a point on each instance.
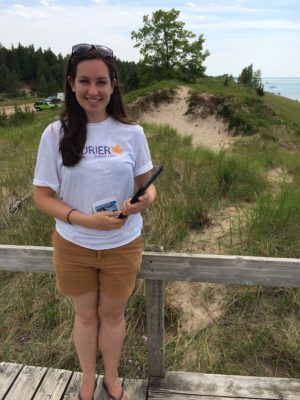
(102, 50)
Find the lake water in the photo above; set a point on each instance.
(287, 87)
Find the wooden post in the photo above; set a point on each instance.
(155, 327)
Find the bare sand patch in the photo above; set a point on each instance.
(208, 131)
(196, 311)
(210, 240)
(277, 175)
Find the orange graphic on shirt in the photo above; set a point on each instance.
(117, 149)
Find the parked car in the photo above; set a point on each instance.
(43, 105)
(53, 99)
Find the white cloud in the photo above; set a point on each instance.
(100, 2)
(252, 25)
(106, 25)
(26, 12)
(229, 10)
(51, 4)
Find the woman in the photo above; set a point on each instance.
(89, 161)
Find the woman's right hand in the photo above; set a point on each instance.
(46, 201)
(105, 220)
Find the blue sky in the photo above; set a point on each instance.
(265, 33)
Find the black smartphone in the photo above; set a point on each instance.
(143, 188)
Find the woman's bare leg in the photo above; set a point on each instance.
(85, 335)
(111, 338)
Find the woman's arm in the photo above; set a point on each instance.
(45, 200)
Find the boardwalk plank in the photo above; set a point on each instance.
(188, 396)
(8, 373)
(37, 383)
(74, 387)
(53, 385)
(136, 388)
(101, 393)
(26, 383)
(183, 383)
(99, 387)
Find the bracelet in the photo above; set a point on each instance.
(68, 215)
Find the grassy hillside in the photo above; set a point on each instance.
(286, 108)
(257, 330)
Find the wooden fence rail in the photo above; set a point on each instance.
(160, 267)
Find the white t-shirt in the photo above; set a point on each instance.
(114, 153)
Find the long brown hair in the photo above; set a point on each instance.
(74, 119)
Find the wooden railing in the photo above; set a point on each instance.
(160, 267)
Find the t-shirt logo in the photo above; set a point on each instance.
(117, 149)
(102, 151)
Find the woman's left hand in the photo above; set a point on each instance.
(144, 202)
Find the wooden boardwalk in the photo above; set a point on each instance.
(21, 382)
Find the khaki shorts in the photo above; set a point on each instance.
(80, 270)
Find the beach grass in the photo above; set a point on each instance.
(271, 227)
(160, 86)
(257, 334)
(194, 182)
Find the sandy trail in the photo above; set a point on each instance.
(210, 132)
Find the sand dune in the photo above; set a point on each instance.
(210, 131)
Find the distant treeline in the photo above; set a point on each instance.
(25, 70)
(29, 70)
(36, 72)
